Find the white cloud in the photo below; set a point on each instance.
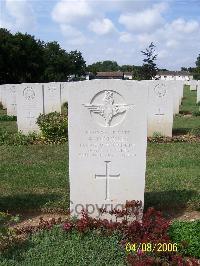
(21, 14)
(145, 20)
(73, 36)
(163, 54)
(180, 25)
(172, 44)
(70, 11)
(126, 37)
(102, 27)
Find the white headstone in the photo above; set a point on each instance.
(52, 97)
(3, 95)
(160, 108)
(1, 89)
(107, 144)
(198, 92)
(29, 106)
(11, 99)
(193, 85)
(65, 91)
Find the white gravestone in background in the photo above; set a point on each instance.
(52, 97)
(3, 95)
(193, 85)
(1, 86)
(173, 86)
(65, 91)
(11, 99)
(107, 144)
(198, 92)
(29, 106)
(160, 108)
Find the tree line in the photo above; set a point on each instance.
(26, 59)
(147, 71)
(23, 58)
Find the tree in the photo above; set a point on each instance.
(6, 65)
(78, 66)
(104, 66)
(21, 58)
(57, 63)
(149, 68)
(196, 71)
(28, 58)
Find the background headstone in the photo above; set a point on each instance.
(11, 99)
(29, 106)
(52, 97)
(193, 85)
(198, 91)
(107, 144)
(160, 108)
(3, 95)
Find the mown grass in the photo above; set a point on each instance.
(189, 100)
(184, 124)
(55, 247)
(36, 177)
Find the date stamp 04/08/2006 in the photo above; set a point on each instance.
(151, 247)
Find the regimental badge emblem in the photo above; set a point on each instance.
(108, 108)
(29, 93)
(12, 89)
(160, 90)
(52, 89)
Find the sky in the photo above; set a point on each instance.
(112, 29)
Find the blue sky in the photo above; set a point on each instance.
(112, 29)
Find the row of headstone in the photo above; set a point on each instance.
(108, 131)
(28, 100)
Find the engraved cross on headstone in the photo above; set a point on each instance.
(107, 177)
(29, 117)
(159, 114)
(14, 105)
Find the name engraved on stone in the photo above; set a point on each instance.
(107, 177)
(112, 145)
(103, 104)
(159, 115)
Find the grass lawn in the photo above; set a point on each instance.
(56, 247)
(36, 177)
(189, 100)
(183, 124)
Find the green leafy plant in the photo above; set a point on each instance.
(157, 135)
(53, 126)
(187, 234)
(8, 118)
(7, 234)
(64, 108)
(17, 138)
(196, 113)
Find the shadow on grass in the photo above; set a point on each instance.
(28, 201)
(180, 131)
(174, 200)
(15, 253)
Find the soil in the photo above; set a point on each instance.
(33, 218)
